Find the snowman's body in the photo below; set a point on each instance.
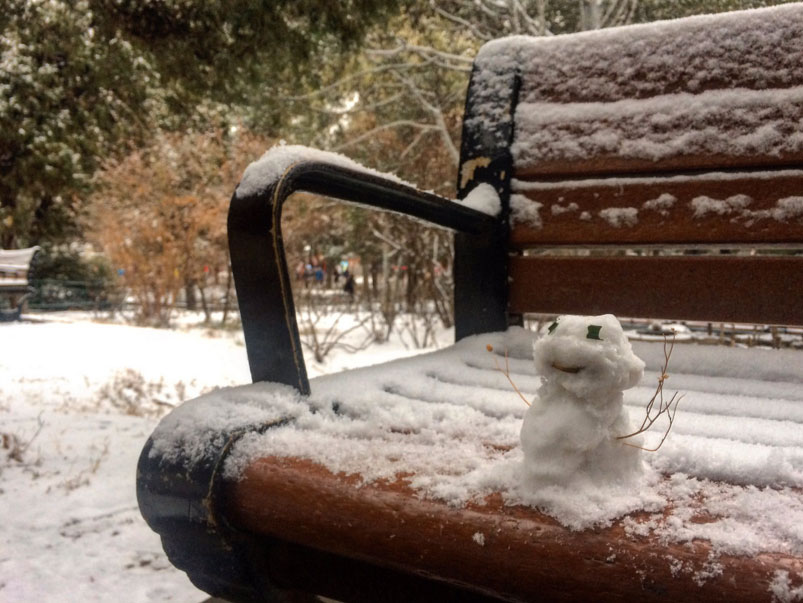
(573, 424)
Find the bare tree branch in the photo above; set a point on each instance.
(437, 114)
(485, 37)
(395, 124)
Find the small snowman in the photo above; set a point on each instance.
(570, 430)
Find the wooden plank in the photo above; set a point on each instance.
(525, 555)
(740, 50)
(744, 208)
(606, 164)
(767, 290)
(715, 91)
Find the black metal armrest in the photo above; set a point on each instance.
(260, 268)
(178, 485)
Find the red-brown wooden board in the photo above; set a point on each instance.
(713, 288)
(754, 209)
(525, 555)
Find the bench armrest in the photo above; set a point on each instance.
(259, 264)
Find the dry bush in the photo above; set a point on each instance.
(130, 392)
(159, 215)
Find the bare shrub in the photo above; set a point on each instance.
(130, 392)
(321, 327)
(15, 446)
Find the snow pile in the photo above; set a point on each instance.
(198, 429)
(484, 198)
(269, 168)
(571, 454)
(785, 209)
(783, 589)
(620, 216)
(703, 205)
(661, 204)
(526, 211)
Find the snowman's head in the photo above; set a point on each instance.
(588, 356)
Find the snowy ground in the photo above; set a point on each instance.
(78, 399)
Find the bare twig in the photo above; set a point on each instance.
(668, 408)
(15, 446)
(506, 373)
(462, 22)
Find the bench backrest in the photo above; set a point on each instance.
(684, 135)
(16, 263)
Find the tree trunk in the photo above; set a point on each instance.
(189, 295)
(227, 299)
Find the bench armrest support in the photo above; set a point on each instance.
(260, 268)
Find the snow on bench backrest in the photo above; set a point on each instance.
(665, 133)
(712, 91)
(687, 133)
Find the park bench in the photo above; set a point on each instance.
(15, 266)
(682, 136)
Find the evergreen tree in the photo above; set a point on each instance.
(78, 78)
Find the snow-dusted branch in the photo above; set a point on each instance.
(436, 113)
(530, 25)
(506, 373)
(347, 79)
(427, 52)
(619, 12)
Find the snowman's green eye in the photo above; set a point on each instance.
(593, 332)
(552, 327)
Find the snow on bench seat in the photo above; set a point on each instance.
(442, 430)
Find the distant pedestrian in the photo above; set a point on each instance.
(349, 286)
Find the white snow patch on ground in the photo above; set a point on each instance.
(71, 527)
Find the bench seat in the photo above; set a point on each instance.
(407, 464)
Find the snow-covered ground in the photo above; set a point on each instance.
(78, 399)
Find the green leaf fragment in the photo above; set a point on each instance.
(593, 332)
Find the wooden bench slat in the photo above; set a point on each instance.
(713, 288)
(521, 550)
(761, 208)
(720, 91)
(724, 51)
(716, 130)
(611, 165)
